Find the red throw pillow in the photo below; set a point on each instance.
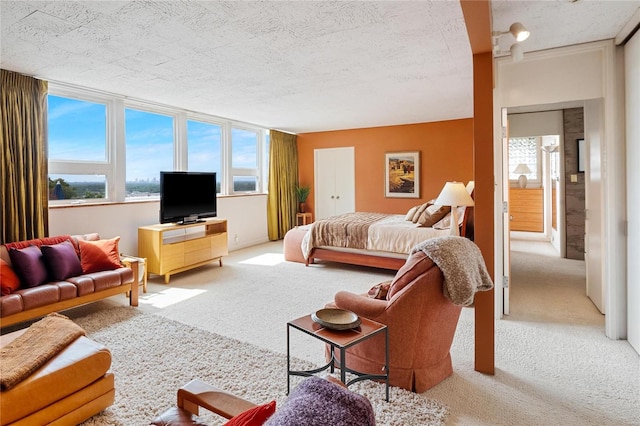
(255, 416)
(101, 255)
(9, 281)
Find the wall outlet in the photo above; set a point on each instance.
(235, 238)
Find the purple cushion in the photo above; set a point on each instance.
(29, 265)
(61, 260)
(318, 402)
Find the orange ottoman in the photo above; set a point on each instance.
(292, 244)
(71, 387)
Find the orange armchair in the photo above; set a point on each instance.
(421, 322)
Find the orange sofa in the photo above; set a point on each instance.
(30, 303)
(421, 322)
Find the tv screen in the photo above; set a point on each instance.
(187, 197)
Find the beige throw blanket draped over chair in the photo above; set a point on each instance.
(462, 265)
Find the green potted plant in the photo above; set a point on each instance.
(302, 192)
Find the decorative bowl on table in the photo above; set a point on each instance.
(336, 319)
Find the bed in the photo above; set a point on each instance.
(367, 239)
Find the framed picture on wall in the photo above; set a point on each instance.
(581, 155)
(402, 174)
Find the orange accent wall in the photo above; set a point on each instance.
(446, 154)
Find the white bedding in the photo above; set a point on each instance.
(397, 235)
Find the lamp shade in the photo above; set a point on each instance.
(522, 169)
(454, 194)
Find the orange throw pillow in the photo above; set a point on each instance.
(101, 255)
(9, 281)
(255, 416)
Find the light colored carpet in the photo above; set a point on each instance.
(554, 365)
(153, 356)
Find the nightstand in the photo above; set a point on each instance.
(305, 218)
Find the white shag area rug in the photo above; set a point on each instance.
(153, 356)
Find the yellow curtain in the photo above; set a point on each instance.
(283, 178)
(23, 166)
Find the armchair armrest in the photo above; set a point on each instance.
(360, 304)
(197, 394)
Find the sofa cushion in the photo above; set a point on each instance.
(61, 260)
(9, 281)
(101, 255)
(29, 265)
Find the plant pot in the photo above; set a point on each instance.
(302, 207)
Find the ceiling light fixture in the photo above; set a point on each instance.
(517, 30)
(520, 33)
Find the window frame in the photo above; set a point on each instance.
(538, 180)
(114, 167)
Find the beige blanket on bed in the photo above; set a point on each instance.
(462, 265)
(346, 230)
(31, 350)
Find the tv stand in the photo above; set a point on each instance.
(173, 248)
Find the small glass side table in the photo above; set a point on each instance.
(339, 340)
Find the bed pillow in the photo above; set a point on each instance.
(100, 255)
(411, 213)
(445, 223)
(9, 281)
(432, 215)
(255, 416)
(29, 266)
(380, 291)
(61, 260)
(419, 211)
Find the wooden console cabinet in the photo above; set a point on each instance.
(170, 248)
(526, 209)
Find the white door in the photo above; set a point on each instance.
(334, 181)
(506, 225)
(632, 82)
(593, 119)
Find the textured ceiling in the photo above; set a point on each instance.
(296, 66)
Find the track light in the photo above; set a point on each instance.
(520, 33)
(517, 30)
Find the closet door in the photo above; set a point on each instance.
(334, 181)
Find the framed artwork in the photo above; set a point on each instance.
(402, 174)
(581, 155)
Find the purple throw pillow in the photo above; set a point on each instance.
(61, 260)
(318, 402)
(29, 265)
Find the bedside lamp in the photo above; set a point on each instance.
(454, 194)
(523, 170)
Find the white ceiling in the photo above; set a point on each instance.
(296, 66)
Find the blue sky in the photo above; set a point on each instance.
(77, 132)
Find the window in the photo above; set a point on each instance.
(149, 141)
(77, 148)
(524, 151)
(244, 160)
(204, 142)
(103, 146)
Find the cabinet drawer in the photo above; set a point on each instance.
(198, 256)
(200, 244)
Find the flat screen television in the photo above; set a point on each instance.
(187, 197)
